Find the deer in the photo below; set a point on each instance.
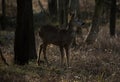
(63, 38)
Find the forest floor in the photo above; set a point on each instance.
(99, 62)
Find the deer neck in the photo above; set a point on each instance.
(70, 27)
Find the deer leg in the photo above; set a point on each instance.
(44, 52)
(41, 47)
(62, 55)
(67, 55)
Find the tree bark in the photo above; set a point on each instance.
(65, 8)
(3, 17)
(52, 7)
(24, 46)
(63, 12)
(95, 22)
(2, 57)
(74, 5)
(112, 17)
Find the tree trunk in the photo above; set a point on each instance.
(24, 46)
(65, 8)
(2, 57)
(112, 17)
(95, 22)
(3, 18)
(52, 7)
(74, 5)
(63, 12)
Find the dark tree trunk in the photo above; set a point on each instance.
(112, 17)
(63, 12)
(66, 12)
(52, 7)
(2, 57)
(95, 22)
(24, 46)
(3, 17)
(74, 5)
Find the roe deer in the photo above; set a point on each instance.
(60, 37)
